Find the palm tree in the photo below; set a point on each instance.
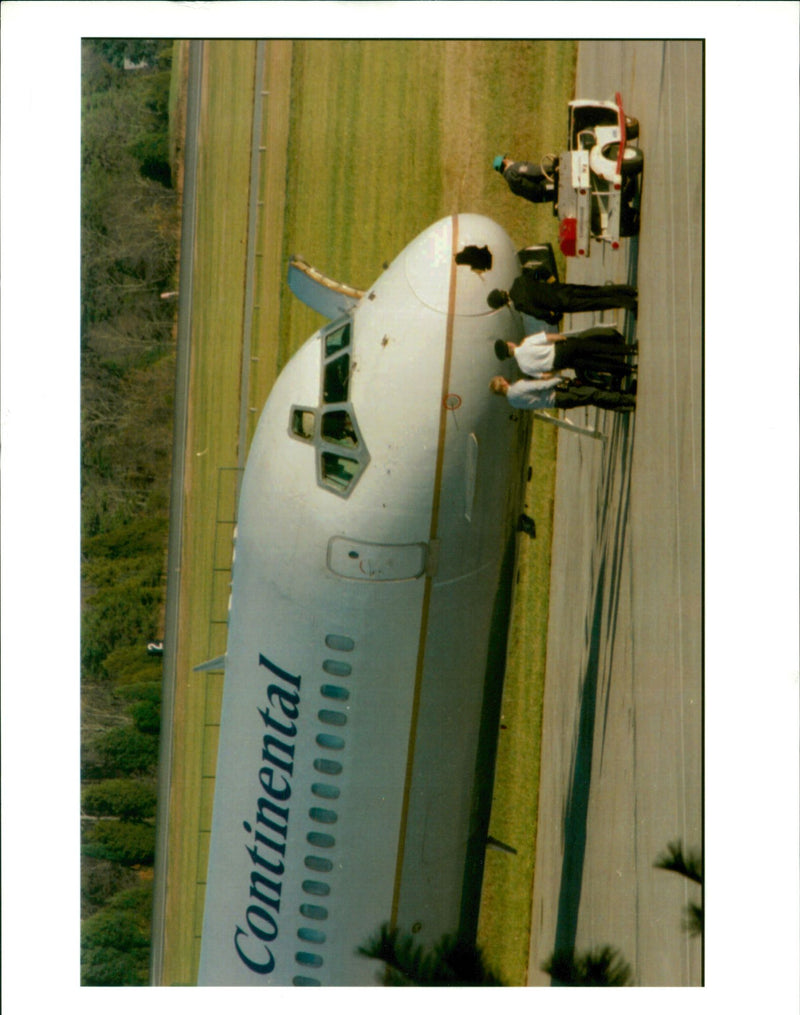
(599, 967)
(453, 962)
(690, 865)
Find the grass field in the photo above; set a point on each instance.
(364, 145)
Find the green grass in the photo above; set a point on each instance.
(388, 137)
(369, 143)
(505, 919)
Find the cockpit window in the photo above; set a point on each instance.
(335, 380)
(339, 472)
(337, 340)
(331, 427)
(337, 428)
(303, 423)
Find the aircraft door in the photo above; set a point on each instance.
(352, 558)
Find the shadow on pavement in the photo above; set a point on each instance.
(613, 504)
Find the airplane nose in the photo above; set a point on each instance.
(471, 253)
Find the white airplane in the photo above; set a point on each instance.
(368, 621)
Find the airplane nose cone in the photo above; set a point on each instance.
(470, 254)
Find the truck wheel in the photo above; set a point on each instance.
(629, 222)
(632, 160)
(631, 128)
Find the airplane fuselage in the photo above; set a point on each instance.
(373, 527)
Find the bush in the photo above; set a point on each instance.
(131, 539)
(123, 751)
(117, 51)
(148, 690)
(146, 716)
(122, 615)
(131, 666)
(115, 942)
(130, 843)
(100, 880)
(130, 799)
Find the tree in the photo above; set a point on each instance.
(129, 799)
(689, 865)
(132, 51)
(599, 967)
(131, 843)
(129, 246)
(115, 942)
(100, 880)
(452, 962)
(119, 752)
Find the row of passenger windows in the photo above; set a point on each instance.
(321, 838)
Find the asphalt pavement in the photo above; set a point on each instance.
(622, 753)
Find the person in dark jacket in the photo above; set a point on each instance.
(549, 301)
(527, 180)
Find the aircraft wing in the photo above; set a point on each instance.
(329, 298)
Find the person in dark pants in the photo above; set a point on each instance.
(556, 393)
(596, 350)
(549, 301)
(527, 180)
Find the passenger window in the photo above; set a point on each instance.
(328, 767)
(309, 934)
(323, 815)
(321, 840)
(338, 471)
(333, 691)
(337, 374)
(330, 741)
(316, 888)
(337, 340)
(327, 715)
(337, 669)
(340, 642)
(314, 912)
(303, 424)
(309, 959)
(318, 863)
(337, 427)
(324, 790)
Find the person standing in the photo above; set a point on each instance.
(527, 180)
(549, 301)
(556, 393)
(595, 350)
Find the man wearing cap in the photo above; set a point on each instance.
(549, 301)
(556, 393)
(527, 180)
(595, 350)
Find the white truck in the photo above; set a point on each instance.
(599, 177)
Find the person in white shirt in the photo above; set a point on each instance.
(595, 350)
(557, 393)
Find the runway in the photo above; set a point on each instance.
(622, 769)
